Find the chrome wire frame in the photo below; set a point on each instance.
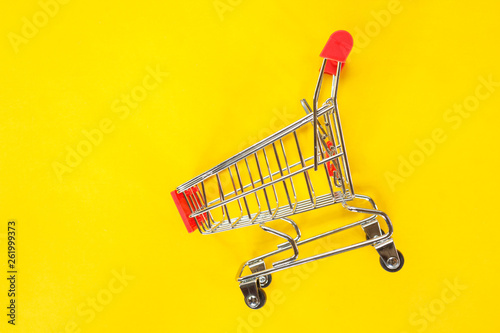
(257, 201)
(263, 181)
(380, 239)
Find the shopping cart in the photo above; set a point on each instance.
(281, 176)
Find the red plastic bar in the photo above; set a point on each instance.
(183, 207)
(338, 47)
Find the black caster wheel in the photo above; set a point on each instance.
(393, 270)
(251, 301)
(266, 281)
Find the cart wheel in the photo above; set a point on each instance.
(265, 281)
(250, 301)
(393, 270)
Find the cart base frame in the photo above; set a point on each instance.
(390, 258)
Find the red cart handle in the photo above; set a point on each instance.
(338, 47)
(336, 50)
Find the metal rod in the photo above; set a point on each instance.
(281, 172)
(262, 181)
(339, 129)
(242, 190)
(315, 112)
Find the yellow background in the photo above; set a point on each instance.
(230, 73)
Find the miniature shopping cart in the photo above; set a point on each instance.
(300, 168)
